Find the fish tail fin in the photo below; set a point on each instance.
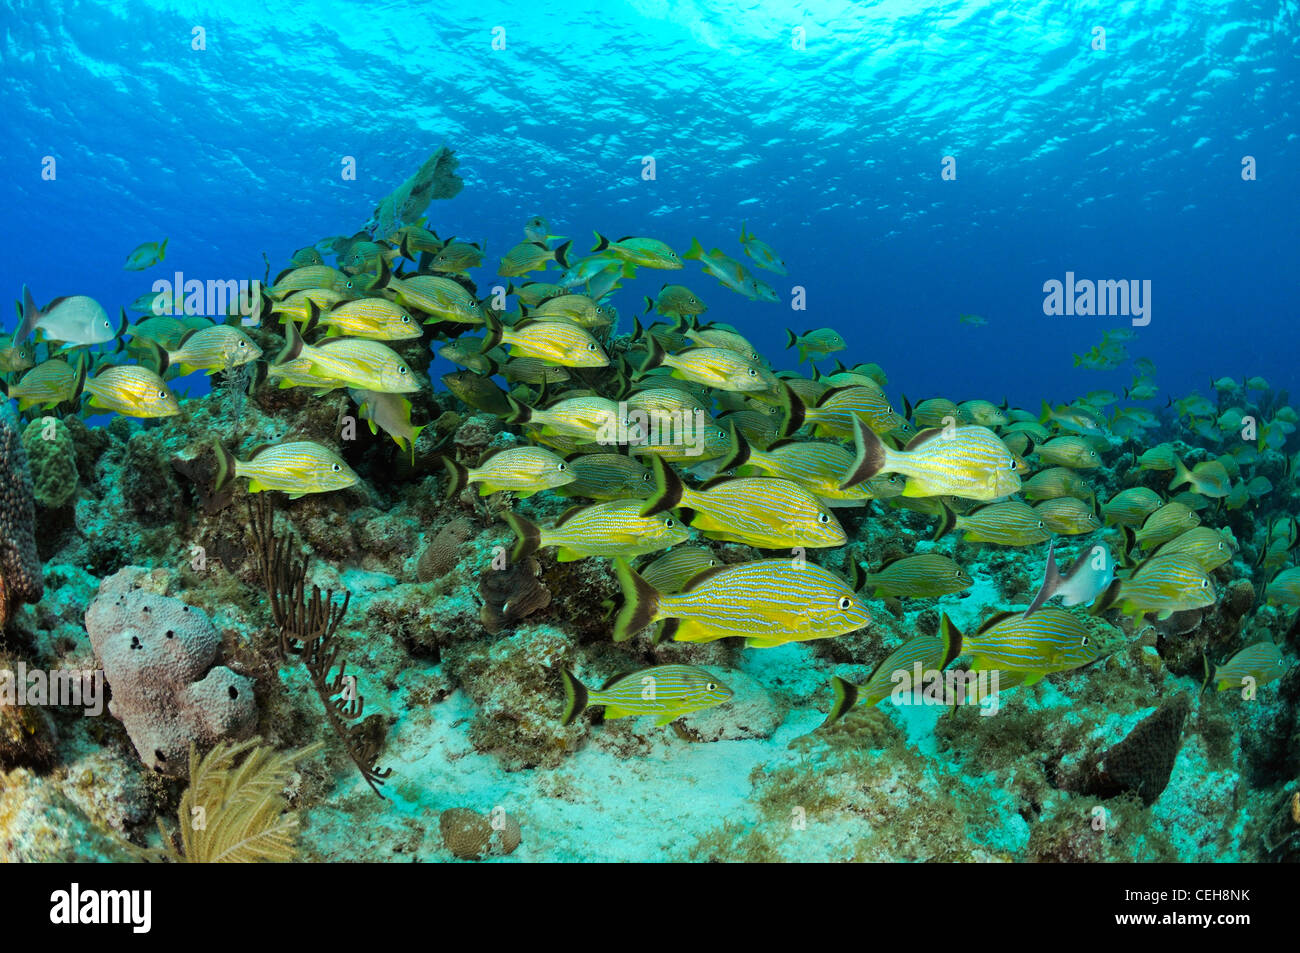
(225, 466)
(870, 457)
(562, 254)
(458, 473)
(528, 533)
(1046, 413)
(494, 332)
(162, 249)
(519, 413)
(575, 697)
(649, 304)
(953, 640)
(293, 343)
(1130, 541)
(794, 409)
(1051, 580)
(1181, 473)
(668, 489)
(654, 357)
(161, 358)
(30, 316)
(640, 602)
(123, 322)
(81, 370)
(404, 249)
(738, 451)
(790, 339)
(601, 242)
(1108, 598)
(907, 408)
(946, 522)
(846, 696)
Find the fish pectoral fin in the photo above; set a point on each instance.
(666, 718)
(758, 642)
(1033, 677)
(613, 711)
(567, 555)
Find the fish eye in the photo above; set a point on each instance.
(957, 574)
(162, 395)
(406, 319)
(336, 468)
(753, 373)
(669, 523)
(401, 370)
(1084, 643)
(563, 467)
(1014, 465)
(846, 602)
(645, 478)
(692, 301)
(591, 347)
(243, 344)
(1040, 524)
(823, 518)
(1205, 584)
(710, 686)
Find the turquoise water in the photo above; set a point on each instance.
(911, 163)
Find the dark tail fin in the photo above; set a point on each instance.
(946, 523)
(640, 602)
(459, 477)
(225, 467)
(601, 242)
(528, 532)
(870, 458)
(161, 359)
(794, 411)
(562, 254)
(575, 696)
(952, 640)
(292, 344)
(654, 356)
(738, 452)
(846, 696)
(494, 330)
(519, 413)
(668, 489)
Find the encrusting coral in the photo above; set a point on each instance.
(52, 460)
(21, 580)
(157, 654)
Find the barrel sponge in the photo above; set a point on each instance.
(20, 566)
(52, 458)
(157, 654)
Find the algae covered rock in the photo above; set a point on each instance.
(52, 459)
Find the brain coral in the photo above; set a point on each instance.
(157, 653)
(20, 566)
(52, 458)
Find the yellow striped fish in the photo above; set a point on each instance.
(1131, 507)
(1069, 451)
(1067, 515)
(840, 409)
(1165, 585)
(1166, 523)
(983, 413)
(1054, 483)
(675, 568)
(306, 277)
(711, 366)
(580, 309)
(132, 391)
(1010, 523)
(443, 298)
(608, 476)
(615, 528)
(47, 385)
(392, 412)
(931, 652)
(817, 465)
(920, 576)
(664, 691)
(532, 256)
(768, 602)
(1284, 589)
(376, 318)
(1050, 640)
(523, 470)
(1261, 662)
(297, 468)
(970, 462)
(1209, 547)
(761, 511)
(932, 412)
(357, 362)
(217, 348)
(556, 342)
(587, 419)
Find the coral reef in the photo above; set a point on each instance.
(471, 836)
(157, 653)
(52, 460)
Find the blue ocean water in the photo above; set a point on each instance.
(1118, 163)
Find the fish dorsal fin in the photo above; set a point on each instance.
(994, 619)
(568, 515)
(488, 456)
(890, 561)
(703, 576)
(783, 442)
(922, 437)
(716, 482)
(833, 391)
(260, 448)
